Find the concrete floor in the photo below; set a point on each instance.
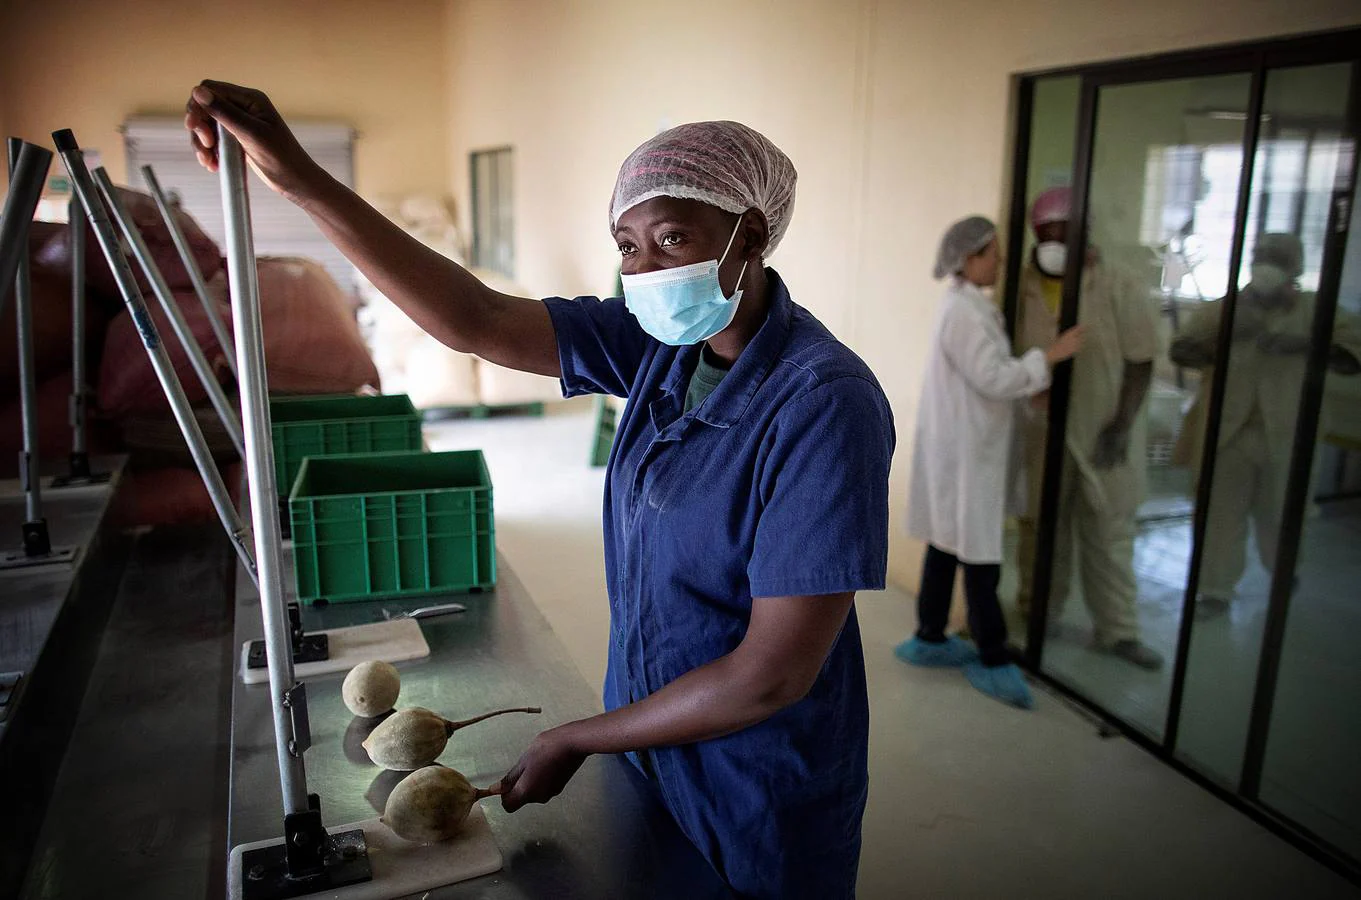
(968, 798)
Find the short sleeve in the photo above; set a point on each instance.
(600, 345)
(1136, 319)
(823, 486)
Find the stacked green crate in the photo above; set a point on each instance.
(372, 515)
(325, 426)
(393, 525)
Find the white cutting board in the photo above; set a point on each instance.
(401, 868)
(392, 641)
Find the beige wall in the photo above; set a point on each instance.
(896, 115)
(379, 66)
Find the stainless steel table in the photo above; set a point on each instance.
(51, 622)
(606, 836)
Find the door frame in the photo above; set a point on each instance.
(1255, 60)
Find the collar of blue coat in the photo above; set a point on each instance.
(725, 406)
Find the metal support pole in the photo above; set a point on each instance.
(84, 187)
(36, 539)
(80, 458)
(197, 360)
(224, 338)
(264, 496)
(25, 190)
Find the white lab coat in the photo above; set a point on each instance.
(962, 452)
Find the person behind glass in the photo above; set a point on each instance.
(1104, 476)
(1272, 335)
(960, 461)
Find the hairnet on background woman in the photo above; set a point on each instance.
(965, 238)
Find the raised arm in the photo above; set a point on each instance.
(440, 296)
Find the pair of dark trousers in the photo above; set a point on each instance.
(980, 590)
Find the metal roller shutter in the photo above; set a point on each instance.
(281, 229)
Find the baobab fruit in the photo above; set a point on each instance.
(371, 688)
(413, 738)
(431, 804)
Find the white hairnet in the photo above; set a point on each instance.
(962, 240)
(723, 164)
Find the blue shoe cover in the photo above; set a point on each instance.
(1003, 683)
(947, 654)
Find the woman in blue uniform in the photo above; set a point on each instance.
(745, 500)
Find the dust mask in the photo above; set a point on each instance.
(1051, 257)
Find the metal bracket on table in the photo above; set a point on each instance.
(79, 473)
(37, 549)
(308, 861)
(306, 647)
(295, 701)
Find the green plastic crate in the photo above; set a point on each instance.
(325, 426)
(392, 525)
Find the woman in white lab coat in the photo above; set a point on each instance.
(960, 461)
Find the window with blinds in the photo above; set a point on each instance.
(493, 219)
(281, 229)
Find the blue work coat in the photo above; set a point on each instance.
(776, 485)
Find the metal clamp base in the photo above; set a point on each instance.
(306, 647)
(92, 480)
(37, 542)
(80, 474)
(265, 876)
(37, 549)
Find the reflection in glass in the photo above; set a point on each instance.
(1310, 772)
(1161, 200)
(1273, 323)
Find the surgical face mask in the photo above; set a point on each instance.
(684, 305)
(1269, 279)
(1051, 257)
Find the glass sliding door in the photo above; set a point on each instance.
(1310, 768)
(1295, 176)
(1188, 560)
(1166, 163)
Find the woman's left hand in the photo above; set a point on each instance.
(542, 772)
